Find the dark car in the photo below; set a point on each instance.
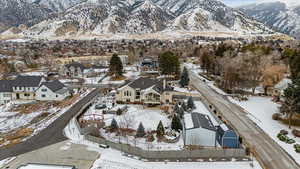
(100, 106)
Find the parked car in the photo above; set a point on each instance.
(100, 106)
(103, 146)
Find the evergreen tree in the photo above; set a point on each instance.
(180, 112)
(176, 108)
(160, 131)
(140, 131)
(114, 125)
(291, 104)
(115, 66)
(169, 64)
(176, 123)
(119, 112)
(184, 80)
(190, 103)
(184, 106)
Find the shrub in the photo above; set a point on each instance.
(276, 116)
(297, 148)
(284, 132)
(119, 112)
(296, 132)
(290, 141)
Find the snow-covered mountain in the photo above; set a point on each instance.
(56, 5)
(142, 16)
(281, 15)
(16, 12)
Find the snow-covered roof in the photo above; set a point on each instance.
(224, 127)
(198, 120)
(45, 166)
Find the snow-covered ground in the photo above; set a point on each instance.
(93, 80)
(113, 159)
(108, 81)
(260, 110)
(149, 117)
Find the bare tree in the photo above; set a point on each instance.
(127, 121)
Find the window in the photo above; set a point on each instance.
(43, 95)
(56, 95)
(44, 90)
(6, 95)
(26, 95)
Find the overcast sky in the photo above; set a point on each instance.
(235, 3)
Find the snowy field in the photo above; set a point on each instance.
(149, 117)
(260, 111)
(93, 80)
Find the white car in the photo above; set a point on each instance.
(103, 146)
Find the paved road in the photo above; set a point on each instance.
(50, 135)
(267, 151)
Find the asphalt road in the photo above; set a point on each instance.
(50, 135)
(267, 151)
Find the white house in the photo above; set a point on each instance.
(145, 90)
(24, 87)
(281, 86)
(52, 91)
(5, 91)
(198, 130)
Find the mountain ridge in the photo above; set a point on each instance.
(144, 16)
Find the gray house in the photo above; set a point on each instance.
(52, 91)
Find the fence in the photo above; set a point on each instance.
(170, 154)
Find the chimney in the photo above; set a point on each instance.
(164, 83)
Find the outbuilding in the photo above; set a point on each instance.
(226, 137)
(199, 130)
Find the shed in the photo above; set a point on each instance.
(226, 137)
(199, 130)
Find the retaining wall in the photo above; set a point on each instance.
(170, 154)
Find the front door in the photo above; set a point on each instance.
(18, 96)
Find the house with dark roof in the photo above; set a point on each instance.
(6, 91)
(52, 91)
(24, 87)
(145, 90)
(199, 130)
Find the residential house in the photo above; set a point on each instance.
(24, 87)
(5, 91)
(52, 91)
(199, 130)
(145, 90)
(74, 70)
